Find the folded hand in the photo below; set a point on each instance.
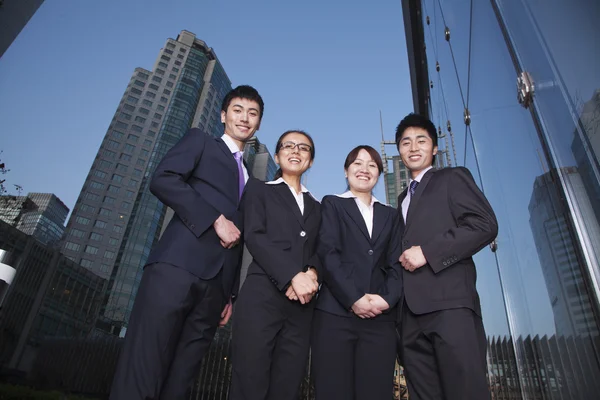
(364, 308)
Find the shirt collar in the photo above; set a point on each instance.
(230, 143)
(281, 180)
(420, 176)
(350, 195)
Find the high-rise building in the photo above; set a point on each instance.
(395, 181)
(116, 219)
(47, 221)
(259, 161)
(184, 88)
(586, 148)
(12, 208)
(14, 15)
(41, 215)
(573, 312)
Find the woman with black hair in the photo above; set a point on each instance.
(354, 333)
(274, 310)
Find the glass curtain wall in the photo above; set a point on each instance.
(535, 157)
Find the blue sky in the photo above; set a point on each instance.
(325, 67)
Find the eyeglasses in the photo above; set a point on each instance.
(291, 146)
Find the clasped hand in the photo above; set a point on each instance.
(370, 306)
(303, 286)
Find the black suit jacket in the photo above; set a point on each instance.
(450, 218)
(281, 240)
(354, 263)
(198, 179)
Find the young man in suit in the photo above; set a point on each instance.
(447, 219)
(186, 287)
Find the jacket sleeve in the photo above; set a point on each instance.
(275, 258)
(476, 224)
(315, 262)
(393, 287)
(169, 183)
(329, 248)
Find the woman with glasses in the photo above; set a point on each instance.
(354, 335)
(274, 310)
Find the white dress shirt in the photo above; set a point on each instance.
(406, 201)
(234, 149)
(298, 196)
(365, 210)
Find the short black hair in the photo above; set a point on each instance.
(244, 92)
(413, 120)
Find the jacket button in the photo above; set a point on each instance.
(370, 252)
(302, 233)
(445, 263)
(192, 226)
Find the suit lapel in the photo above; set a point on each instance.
(288, 198)
(231, 160)
(351, 208)
(379, 221)
(414, 202)
(309, 205)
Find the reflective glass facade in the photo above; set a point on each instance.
(196, 90)
(259, 161)
(41, 215)
(47, 222)
(50, 297)
(514, 87)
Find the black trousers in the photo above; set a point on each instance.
(353, 358)
(174, 318)
(444, 355)
(271, 338)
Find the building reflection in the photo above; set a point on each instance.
(526, 117)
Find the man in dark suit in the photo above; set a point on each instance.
(186, 287)
(447, 220)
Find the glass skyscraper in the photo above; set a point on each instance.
(116, 219)
(518, 81)
(41, 215)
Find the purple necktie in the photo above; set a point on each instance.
(412, 188)
(241, 181)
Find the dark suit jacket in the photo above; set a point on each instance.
(354, 263)
(198, 179)
(450, 218)
(281, 240)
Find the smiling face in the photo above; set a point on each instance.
(242, 120)
(294, 155)
(362, 173)
(416, 150)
